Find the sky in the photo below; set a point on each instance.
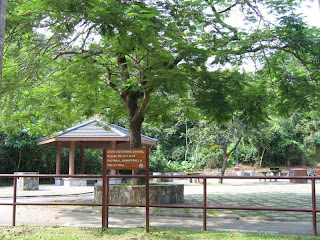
(312, 12)
(309, 9)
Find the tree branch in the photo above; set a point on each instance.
(235, 146)
(87, 36)
(175, 63)
(283, 48)
(122, 64)
(229, 8)
(216, 14)
(90, 52)
(144, 104)
(109, 82)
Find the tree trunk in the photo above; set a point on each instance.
(187, 144)
(226, 156)
(3, 8)
(224, 166)
(135, 122)
(197, 152)
(135, 142)
(135, 133)
(288, 162)
(131, 99)
(19, 162)
(261, 157)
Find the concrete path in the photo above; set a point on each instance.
(233, 192)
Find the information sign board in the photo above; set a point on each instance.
(126, 159)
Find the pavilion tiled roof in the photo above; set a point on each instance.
(95, 130)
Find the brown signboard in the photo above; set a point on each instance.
(126, 159)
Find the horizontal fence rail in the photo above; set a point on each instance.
(313, 209)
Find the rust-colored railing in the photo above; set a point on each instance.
(313, 209)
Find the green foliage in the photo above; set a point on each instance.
(66, 61)
(20, 153)
(175, 165)
(223, 93)
(282, 142)
(65, 71)
(278, 142)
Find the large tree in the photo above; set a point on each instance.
(113, 55)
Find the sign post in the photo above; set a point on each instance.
(123, 159)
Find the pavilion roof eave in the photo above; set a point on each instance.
(50, 141)
(148, 143)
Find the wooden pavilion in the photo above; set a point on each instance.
(92, 134)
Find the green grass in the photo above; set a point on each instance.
(187, 211)
(69, 233)
(213, 212)
(156, 210)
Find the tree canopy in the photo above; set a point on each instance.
(70, 60)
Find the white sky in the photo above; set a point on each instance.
(310, 9)
(312, 12)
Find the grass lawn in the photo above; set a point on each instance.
(69, 233)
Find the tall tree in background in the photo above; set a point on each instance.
(229, 95)
(3, 8)
(227, 137)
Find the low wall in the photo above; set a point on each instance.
(136, 194)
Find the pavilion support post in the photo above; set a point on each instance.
(58, 158)
(71, 157)
(82, 160)
(113, 145)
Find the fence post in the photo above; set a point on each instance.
(105, 190)
(14, 206)
(147, 192)
(205, 204)
(314, 207)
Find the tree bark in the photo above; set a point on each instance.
(187, 143)
(226, 156)
(19, 162)
(225, 162)
(196, 157)
(136, 118)
(3, 8)
(261, 157)
(135, 142)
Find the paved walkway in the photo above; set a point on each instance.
(232, 193)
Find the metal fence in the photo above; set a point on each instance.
(204, 206)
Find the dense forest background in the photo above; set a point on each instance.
(210, 79)
(186, 145)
